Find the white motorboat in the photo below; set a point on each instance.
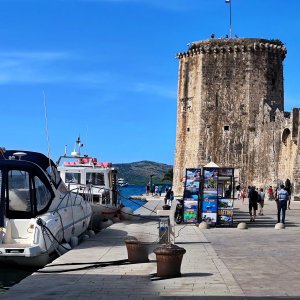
(94, 180)
(121, 182)
(39, 217)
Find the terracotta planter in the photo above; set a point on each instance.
(169, 258)
(137, 252)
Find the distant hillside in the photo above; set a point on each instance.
(139, 172)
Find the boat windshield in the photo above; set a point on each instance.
(19, 190)
(26, 195)
(72, 177)
(95, 178)
(54, 174)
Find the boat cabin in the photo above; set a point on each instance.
(91, 178)
(26, 191)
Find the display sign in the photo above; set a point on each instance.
(209, 205)
(191, 195)
(208, 196)
(225, 212)
(226, 172)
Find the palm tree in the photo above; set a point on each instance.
(168, 176)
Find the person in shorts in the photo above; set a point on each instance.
(261, 203)
(253, 197)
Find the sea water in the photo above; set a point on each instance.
(132, 190)
(11, 275)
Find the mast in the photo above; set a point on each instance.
(230, 23)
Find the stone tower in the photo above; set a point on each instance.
(230, 110)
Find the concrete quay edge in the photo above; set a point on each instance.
(220, 263)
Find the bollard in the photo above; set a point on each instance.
(137, 252)
(169, 258)
(242, 225)
(204, 225)
(279, 226)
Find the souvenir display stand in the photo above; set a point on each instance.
(191, 195)
(208, 195)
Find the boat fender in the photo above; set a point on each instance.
(85, 237)
(116, 219)
(63, 248)
(74, 241)
(106, 223)
(126, 213)
(91, 233)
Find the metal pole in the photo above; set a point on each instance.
(230, 20)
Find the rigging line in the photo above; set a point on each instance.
(86, 140)
(47, 132)
(154, 218)
(136, 203)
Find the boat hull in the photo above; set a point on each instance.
(30, 262)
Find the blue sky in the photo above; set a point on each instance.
(108, 69)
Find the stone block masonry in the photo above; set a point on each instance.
(230, 110)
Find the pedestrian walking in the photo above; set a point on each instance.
(156, 190)
(159, 190)
(282, 203)
(249, 189)
(243, 194)
(169, 197)
(153, 190)
(261, 201)
(253, 197)
(147, 189)
(238, 189)
(270, 193)
(288, 188)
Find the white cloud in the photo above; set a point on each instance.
(67, 68)
(45, 67)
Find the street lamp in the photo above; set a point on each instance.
(151, 181)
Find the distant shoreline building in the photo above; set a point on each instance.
(230, 110)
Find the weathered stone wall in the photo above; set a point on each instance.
(231, 111)
(295, 178)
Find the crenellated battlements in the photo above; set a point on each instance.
(222, 46)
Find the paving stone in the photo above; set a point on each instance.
(218, 264)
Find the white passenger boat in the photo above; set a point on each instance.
(39, 217)
(121, 182)
(94, 180)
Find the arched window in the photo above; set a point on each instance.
(285, 135)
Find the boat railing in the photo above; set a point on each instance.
(68, 197)
(106, 197)
(87, 191)
(83, 191)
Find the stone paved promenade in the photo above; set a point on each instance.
(220, 263)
